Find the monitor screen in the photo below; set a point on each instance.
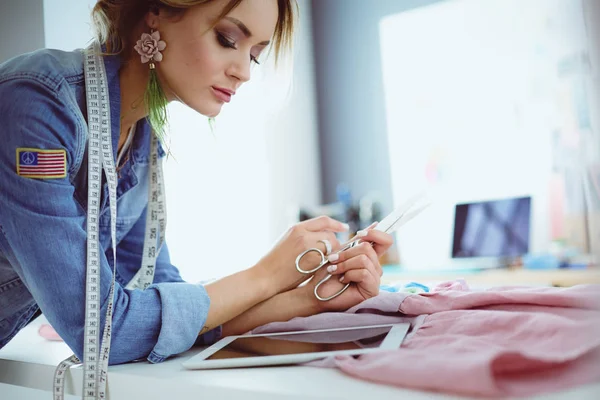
(497, 228)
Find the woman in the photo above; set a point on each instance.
(198, 52)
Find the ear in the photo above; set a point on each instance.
(152, 18)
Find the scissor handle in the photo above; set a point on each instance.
(324, 261)
(311, 271)
(332, 296)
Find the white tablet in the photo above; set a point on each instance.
(297, 347)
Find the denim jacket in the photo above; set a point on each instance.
(43, 221)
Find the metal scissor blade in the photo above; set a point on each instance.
(406, 217)
(399, 214)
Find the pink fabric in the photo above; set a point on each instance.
(459, 284)
(382, 309)
(500, 342)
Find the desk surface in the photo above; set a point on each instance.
(29, 361)
(499, 277)
(10, 392)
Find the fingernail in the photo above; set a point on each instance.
(333, 257)
(331, 269)
(361, 233)
(342, 278)
(345, 226)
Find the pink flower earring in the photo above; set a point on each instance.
(149, 47)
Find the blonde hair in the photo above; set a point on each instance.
(115, 20)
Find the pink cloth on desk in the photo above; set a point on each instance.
(500, 342)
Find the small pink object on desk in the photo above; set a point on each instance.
(505, 341)
(47, 332)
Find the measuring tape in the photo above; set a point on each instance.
(156, 219)
(100, 158)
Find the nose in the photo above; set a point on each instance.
(240, 68)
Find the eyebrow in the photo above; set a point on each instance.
(245, 29)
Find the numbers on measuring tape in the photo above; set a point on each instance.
(100, 158)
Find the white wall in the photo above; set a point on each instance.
(350, 90)
(21, 27)
(293, 137)
(67, 23)
(28, 25)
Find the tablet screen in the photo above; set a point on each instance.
(307, 342)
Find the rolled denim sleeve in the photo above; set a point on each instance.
(129, 251)
(177, 324)
(43, 234)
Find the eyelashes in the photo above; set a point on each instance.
(224, 41)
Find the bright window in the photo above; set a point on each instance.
(471, 91)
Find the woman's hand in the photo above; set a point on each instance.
(358, 266)
(279, 264)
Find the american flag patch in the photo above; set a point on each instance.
(43, 164)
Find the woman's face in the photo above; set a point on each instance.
(203, 66)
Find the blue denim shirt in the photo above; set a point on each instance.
(43, 221)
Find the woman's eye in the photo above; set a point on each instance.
(230, 44)
(225, 42)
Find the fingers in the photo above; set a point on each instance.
(357, 276)
(311, 240)
(324, 223)
(363, 269)
(326, 235)
(381, 241)
(365, 281)
(361, 256)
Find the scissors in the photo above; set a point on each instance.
(401, 215)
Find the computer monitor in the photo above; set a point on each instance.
(495, 228)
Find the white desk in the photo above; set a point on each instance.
(28, 362)
(10, 392)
